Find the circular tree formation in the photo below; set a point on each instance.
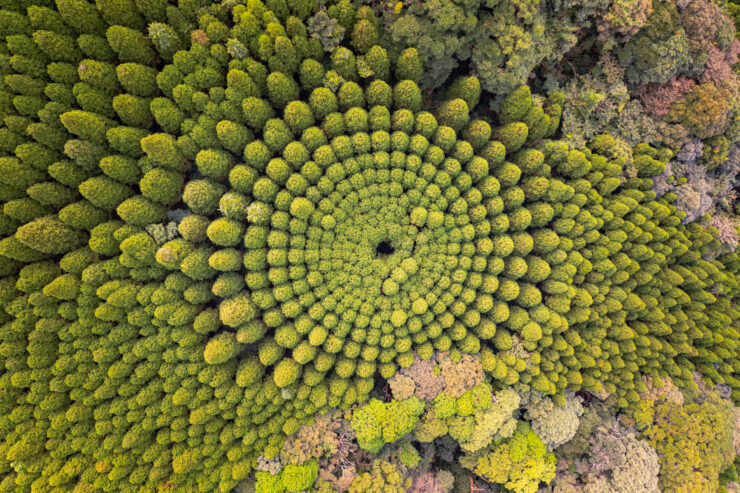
(366, 247)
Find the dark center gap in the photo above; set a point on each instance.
(384, 248)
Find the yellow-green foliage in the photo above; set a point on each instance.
(383, 477)
(606, 456)
(220, 219)
(474, 419)
(504, 41)
(492, 421)
(313, 440)
(694, 441)
(705, 111)
(292, 478)
(409, 456)
(518, 463)
(377, 423)
(221, 348)
(555, 425)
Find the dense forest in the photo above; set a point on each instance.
(425, 246)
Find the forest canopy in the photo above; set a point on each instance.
(423, 246)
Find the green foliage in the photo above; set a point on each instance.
(607, 455)
(140, 211)
(48, 235)
(167, 114)
(409, 66)
(130, 45)
(406, 94)
(221, 348)
(326, 29)
(161, 186)
(299, 478)
(454, 113)
(555, 425)
(512, 135)
(202, 196)
(705, 111)
(164, 38)
(137, 79)
(220, 220)
(492, 421)
(162, 150)
(519, 463)
(86, 125)
(504, 41)
(409, 456)
(693, 441)
(286, 372)
(382, 477)
(377, 423)
(281, 89)
(516, 105)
